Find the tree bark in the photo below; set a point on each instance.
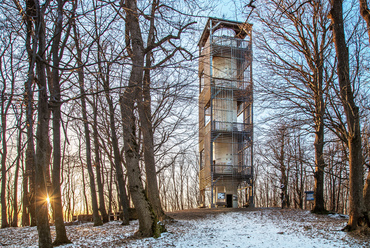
(148, 225)
(365, 13)
(29, 177)
(17, 167)
(357, 213)
(56, 196)
(319, 206)
(145, 113)
(25, 202)
(42, 134)
(4, 153)
(367, 193)
(102, 208)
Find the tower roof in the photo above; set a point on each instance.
(242, 29)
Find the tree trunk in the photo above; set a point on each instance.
(367, 193)
(144, 107)
(117, 156)
(365, 13)
(357, 212)
(29, 175)
(84, 189)
(319, 206)
(25, 201)
(16, 173)
(94, 201)
(56, 197)
(42, 136)
(148, 225)
(4, 108)
(283, 168)
(147, 217)
(110, 190)
(102, 208)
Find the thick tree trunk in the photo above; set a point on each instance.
(144, 107)
(319, 206)
(357, 212)
(29, 175)
(365, 13)
(148, 225)
(42, 138)
(56, 197)
(147, 217)
(317, 66)
(367, 193)
(145, 113)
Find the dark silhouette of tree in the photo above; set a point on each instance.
(357, 212)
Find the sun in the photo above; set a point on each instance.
(48, 199)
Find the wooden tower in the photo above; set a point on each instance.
(225, 114)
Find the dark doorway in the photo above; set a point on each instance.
(229, 201)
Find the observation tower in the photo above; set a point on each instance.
(225, 114)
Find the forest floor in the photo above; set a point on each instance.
(248, 227)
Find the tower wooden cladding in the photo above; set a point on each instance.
(225, 114)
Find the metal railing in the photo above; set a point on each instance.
(230, 42)
(235, 170)
(230, 83)
(230, 126)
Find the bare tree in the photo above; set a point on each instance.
(42, 134)
(278, 148)
(303, 28)
(365, 13)
(7, 79)
(55, 103)
(81, 81)
(148, 225)
(357, 211)
(104, 77)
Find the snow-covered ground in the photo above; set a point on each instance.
(259, 228)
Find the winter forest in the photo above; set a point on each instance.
(99, 109)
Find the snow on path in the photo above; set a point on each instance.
(251, 229)
(260, 228)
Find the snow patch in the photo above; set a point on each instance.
(262, 228)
